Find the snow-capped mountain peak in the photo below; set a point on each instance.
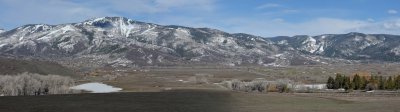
(119, 41)
(111, 40)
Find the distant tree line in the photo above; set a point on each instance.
(358, 82)
(260, 85)
(34, 84)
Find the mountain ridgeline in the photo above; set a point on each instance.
(122, 42)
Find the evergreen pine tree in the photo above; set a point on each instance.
(339, 81)
(363, 83)
(381, 83)
(356, 82)
(331, 83)
(397, 82)
(389, 83)
(347, 83)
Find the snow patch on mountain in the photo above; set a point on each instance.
(396, 51)
(120, 62)
(125, 28)
(67, 28)
(150, 31)
(2, 30)
(283, 42)
(91, 21)
(310, 45)
(320, 49)
(182, 34)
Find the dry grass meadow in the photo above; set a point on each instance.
(193, 89)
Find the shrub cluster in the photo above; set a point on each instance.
(34, 84)
(258, 85)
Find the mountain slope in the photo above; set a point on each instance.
(121, 41)
(118, 41)
(14, 66)
(352, 46)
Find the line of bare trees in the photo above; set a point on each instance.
(34, 84)
(259, 85)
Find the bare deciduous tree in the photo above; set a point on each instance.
(259, 85)
(34, 84)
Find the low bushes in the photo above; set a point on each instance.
(34, 84)
(259, 85)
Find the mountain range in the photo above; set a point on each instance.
(123, 42)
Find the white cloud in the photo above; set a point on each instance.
(268, 5)
(290, 11)
(392, 11)
(278, 20)
(370, 20)
(316, 26)
(393, 25)
(192, 4)
(20, 12)
(154, 6)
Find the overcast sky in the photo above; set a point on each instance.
(259, 17)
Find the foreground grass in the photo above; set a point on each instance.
(293, 103)
(182, 101)
(193, 101)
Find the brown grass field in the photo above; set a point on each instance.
(195, 101)
(174, 89)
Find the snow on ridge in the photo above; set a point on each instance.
(125, 28)
(149, 31)
(357, 38)
(320, 49)
(66, 46)
(91, 21)
(67, 28)
(98, 19)
(310, 45)
(181, 33)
